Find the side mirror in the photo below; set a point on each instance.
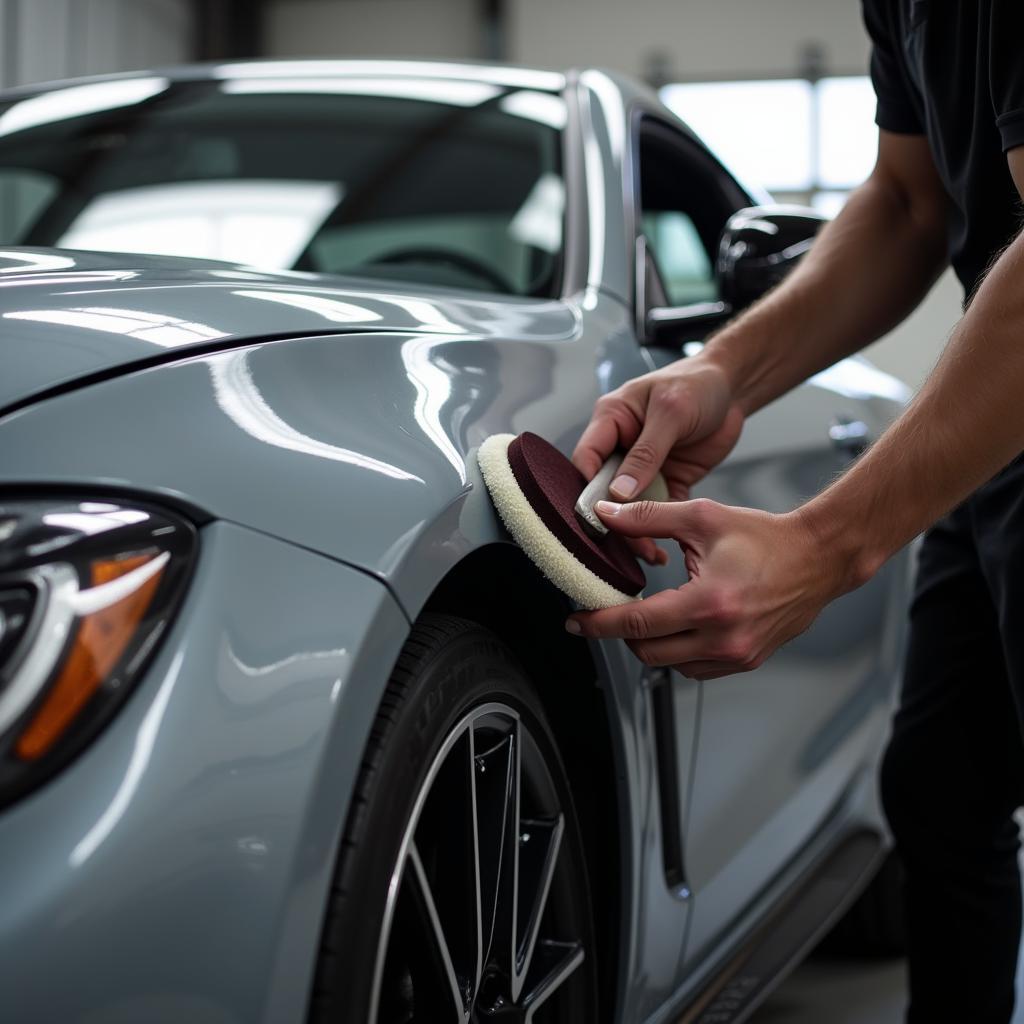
(759, 247)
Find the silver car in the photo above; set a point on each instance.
(289, 729)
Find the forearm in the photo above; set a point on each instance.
(966, 424)
(865, 273)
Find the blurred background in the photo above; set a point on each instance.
(778, 88)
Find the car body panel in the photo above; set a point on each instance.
(101, 313)
(778, 746)
(299, 413)
(178, 872)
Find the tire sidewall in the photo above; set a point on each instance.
(472, 670)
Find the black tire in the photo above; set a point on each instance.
(875, 925)
(457, 704)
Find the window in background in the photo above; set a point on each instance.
(761, 131)
(809, 142)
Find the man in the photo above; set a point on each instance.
(949, 77)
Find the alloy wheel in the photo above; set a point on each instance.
(483, 915)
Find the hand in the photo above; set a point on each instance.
(756, 581)
(681, 420)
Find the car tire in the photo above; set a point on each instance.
(438, 908)
(875, 925)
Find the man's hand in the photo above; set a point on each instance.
(681, 420)
(756, 581)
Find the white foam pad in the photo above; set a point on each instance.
(544, 549)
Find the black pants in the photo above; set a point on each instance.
(953, 774)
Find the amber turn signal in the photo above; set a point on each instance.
(99, 643)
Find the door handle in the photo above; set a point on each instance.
(849, 436)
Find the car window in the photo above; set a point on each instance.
(683, 262)
(455, 183)
(685, 200)
(23, 194)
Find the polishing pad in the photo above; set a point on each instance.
(534, 488)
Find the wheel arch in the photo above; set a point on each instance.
(498, 587)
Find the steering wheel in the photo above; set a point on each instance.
(460, 260)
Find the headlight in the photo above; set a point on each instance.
(86, 590)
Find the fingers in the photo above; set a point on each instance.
(611, 427)
(666, 651)
(713, 650)
(645, 548)
(659, 433)
(664, 613)
(705, 670)
(680, 520)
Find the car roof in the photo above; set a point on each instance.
(508, 75)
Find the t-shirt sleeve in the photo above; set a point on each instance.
(896, 110)
(1006, 70)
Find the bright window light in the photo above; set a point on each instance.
(829, 203)
(759, 130)
(266, 223)
(763, 131)
(848, 136)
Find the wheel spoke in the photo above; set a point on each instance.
(420, 885)
(511, 925)
(559, 959)
(497, 789)
(539, 844)
(478, 897)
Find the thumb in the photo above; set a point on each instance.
(680, 520)
(641, 463)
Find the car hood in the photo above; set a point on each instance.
(68, 317)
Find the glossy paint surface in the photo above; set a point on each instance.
(175, 872)
(327, 427)
(66, 315)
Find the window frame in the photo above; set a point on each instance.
(644, 120)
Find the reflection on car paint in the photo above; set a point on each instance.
(30, 262)
(79, 100)
(239, 397)
(549, 81)
(433, 389)
(330, 309)
(857, 378)
(453, 92)
(160, 329)
(144, 739)
(255, 683)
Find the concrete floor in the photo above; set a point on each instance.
(845, 993)
(839, 992)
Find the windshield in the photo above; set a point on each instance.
(435, 181)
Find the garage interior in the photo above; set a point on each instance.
(808, 50)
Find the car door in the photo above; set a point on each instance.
(777, 748)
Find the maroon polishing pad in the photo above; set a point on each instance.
(552, 485)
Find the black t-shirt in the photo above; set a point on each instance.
(953, 70)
